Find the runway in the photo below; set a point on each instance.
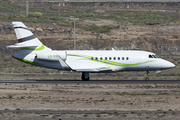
(94, 81)
(83, 112)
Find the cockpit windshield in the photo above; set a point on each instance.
(153, 56)
(157, 56)
(150, 56)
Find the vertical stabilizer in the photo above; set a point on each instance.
(22, 32)
(26, 39)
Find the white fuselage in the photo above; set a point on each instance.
(90, 60)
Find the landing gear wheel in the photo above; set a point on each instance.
(84, 79)
(85, 76)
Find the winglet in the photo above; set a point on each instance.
(112, 49)
(63, 64)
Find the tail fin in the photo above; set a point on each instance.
(26, 39)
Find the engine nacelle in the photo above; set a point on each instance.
(52, 56)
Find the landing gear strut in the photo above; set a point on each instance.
(147, 76)
(85, 76)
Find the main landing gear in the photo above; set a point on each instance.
(85, 76)
(147, 76)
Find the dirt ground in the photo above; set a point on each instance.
(103, 116)
(84, 97)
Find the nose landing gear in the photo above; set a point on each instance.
(147, 76)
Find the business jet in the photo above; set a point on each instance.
(32, 51)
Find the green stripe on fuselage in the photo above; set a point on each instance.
(85, 57)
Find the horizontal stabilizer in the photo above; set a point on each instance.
(102, 69)
(25, 44)
(18, 46)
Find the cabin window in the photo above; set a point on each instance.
(150, 56)
(118, 58)
(109, 58)
(96, 58)
(114, 58)
(122, 58)
(91, 58)
(127, 58)
(101, 58)
(105, 58)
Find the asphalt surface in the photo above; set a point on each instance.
(82, 112)
(94, 81)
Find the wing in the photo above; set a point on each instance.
(102, 69)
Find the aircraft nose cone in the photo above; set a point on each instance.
(169, 64)
(172, 65)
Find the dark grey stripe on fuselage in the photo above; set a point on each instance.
(26, 38)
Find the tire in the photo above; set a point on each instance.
(85, 79)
